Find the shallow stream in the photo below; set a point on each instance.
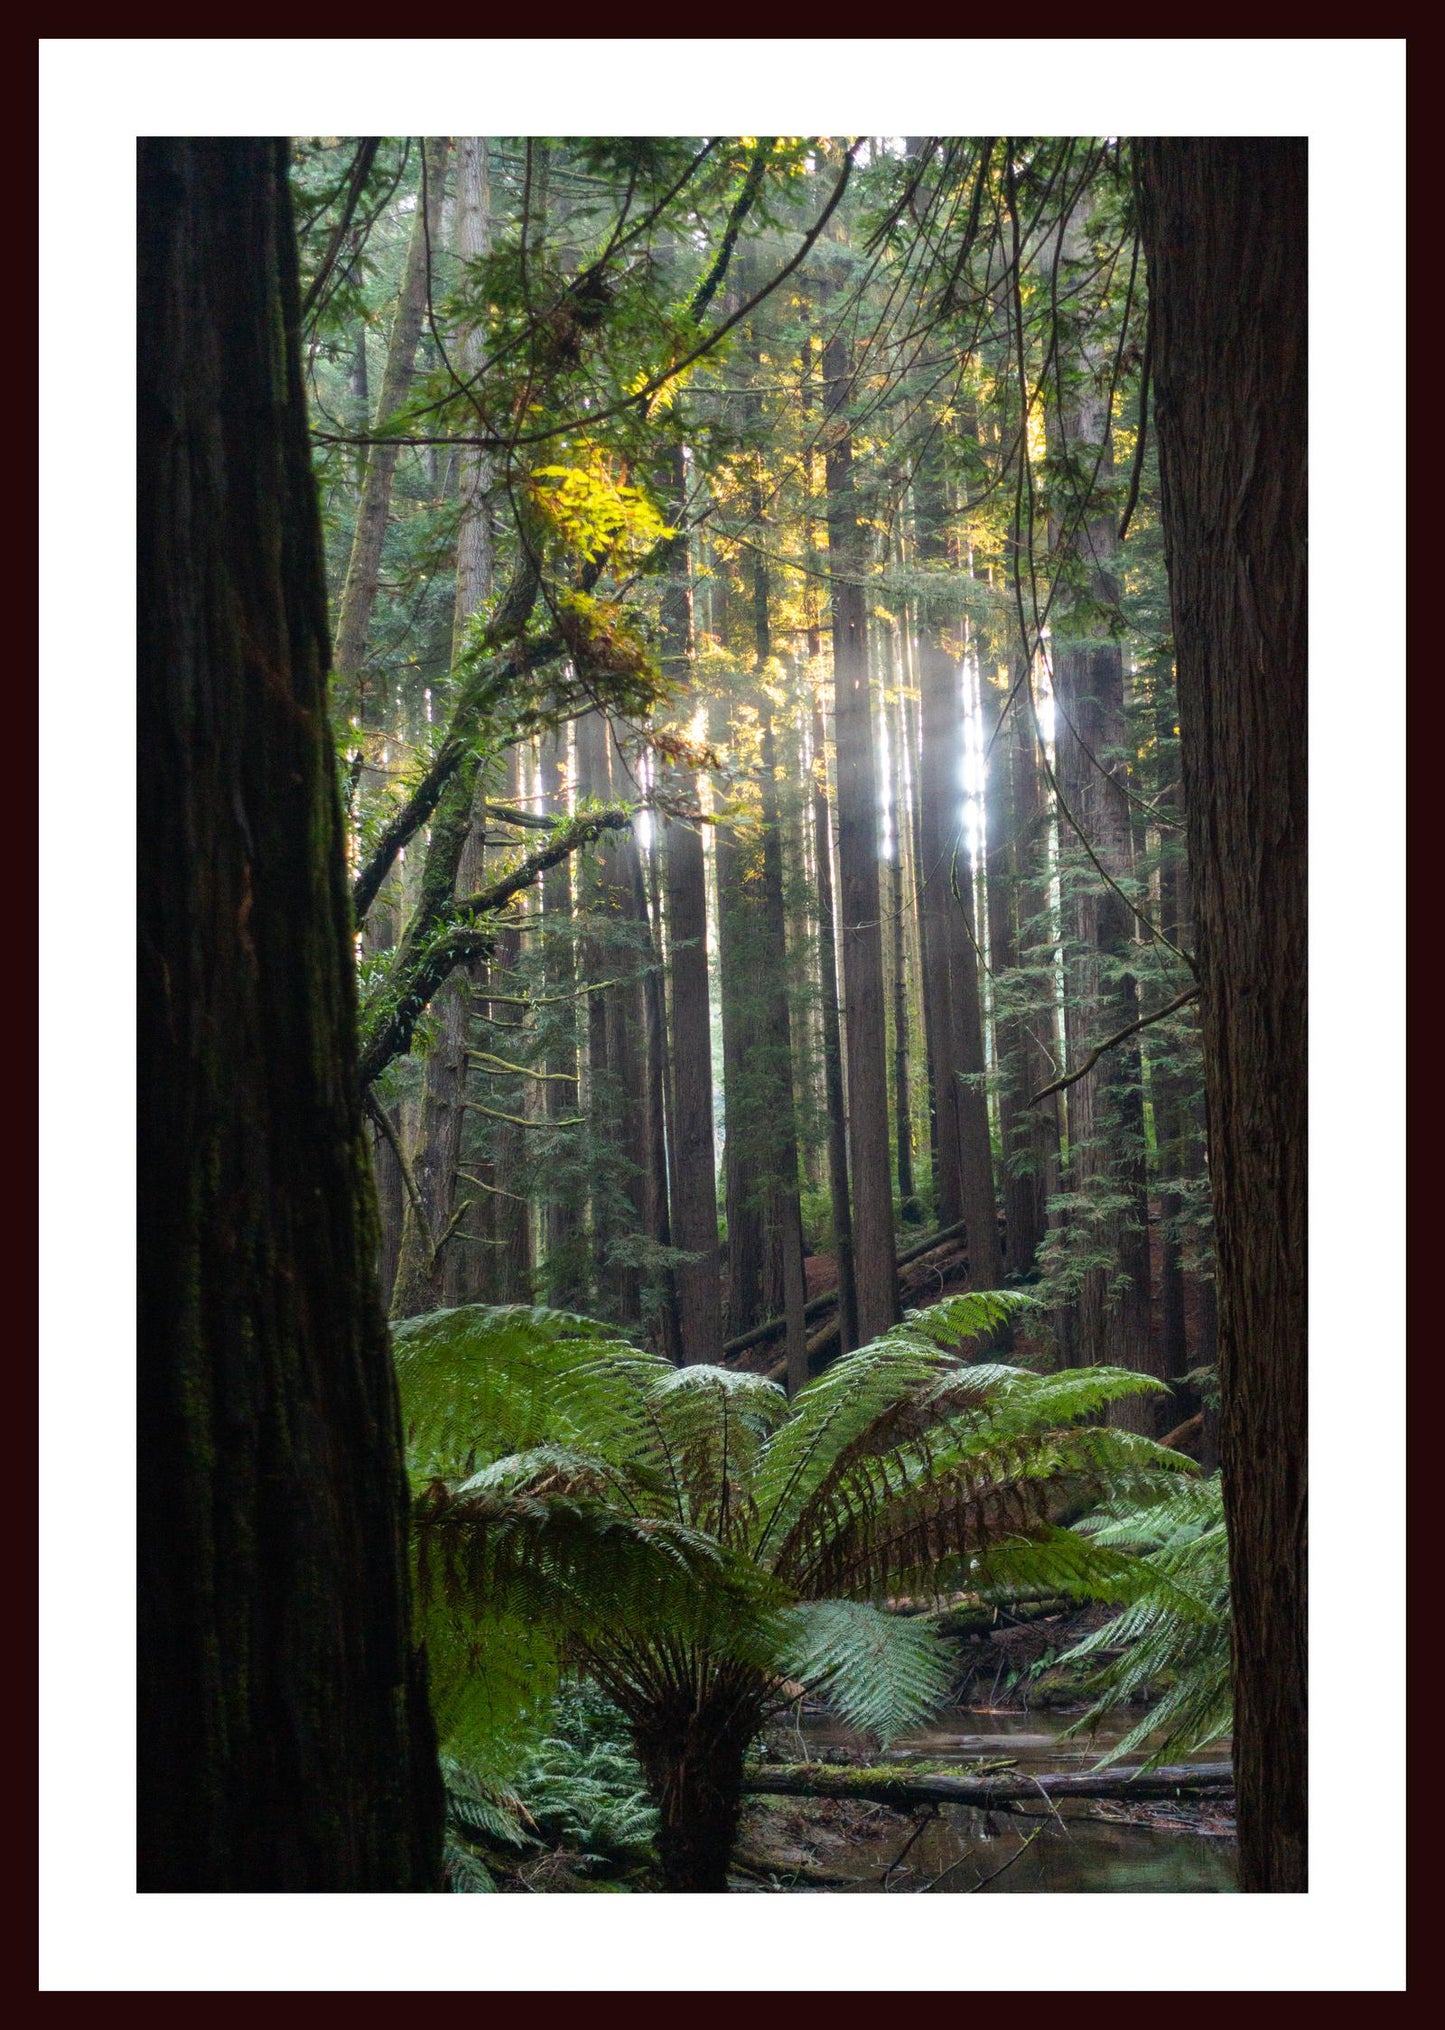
(1070, 1849)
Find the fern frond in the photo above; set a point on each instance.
(868, 1387)
(484, 1380)
(1184, 1650)
(956, 1322)
(716, 1422)
(491, 1680)
(480, 1810)
(882, 1673)
(909, 1499)
(465, 1873)
(558, 1548)
(1057, 1561)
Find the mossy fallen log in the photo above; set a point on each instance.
(900, 1785)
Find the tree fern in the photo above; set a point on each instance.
(700, 1545)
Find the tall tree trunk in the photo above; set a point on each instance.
(838, 1190)
(657, 1209)
(363, 572)
(1011, 840)
(511, 1224)
(1105, 1108)
(694, 1172)
(1168, 1087)
(824, 860)
(742, 962)
(1030, 859)
(867, 1070)
(692, 1152)
(953, 1011)
(562, 1224)
(784, 1210)
(472, 240)
(625, 895)
(284, 1738)
(1226, 234)
(616, 1097)
(898, 887)
(430, 1219)
(594, 781)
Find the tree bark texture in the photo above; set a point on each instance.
(1226, 235)
(563, 1234)
(284, 1737)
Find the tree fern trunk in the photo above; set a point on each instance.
(692, 1759)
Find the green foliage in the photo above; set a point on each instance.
(583, 1504)
(1175, 1631)
(881, 1673)
(575, 1788)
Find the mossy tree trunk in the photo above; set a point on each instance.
(284, 1738)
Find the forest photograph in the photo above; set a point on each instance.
(724, 830)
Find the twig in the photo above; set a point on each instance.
(356, 183)
(1022, 1848)
(927, 1820)
(380, 1116)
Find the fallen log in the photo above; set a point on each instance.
(902, 1786)
(772, 1328)
(821, 1343)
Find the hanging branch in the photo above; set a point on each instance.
(382, 1119)
(708, 287)
(360, 170)
(459, 744)
(1120, 1036)
(639, 399)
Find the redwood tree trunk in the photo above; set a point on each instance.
(284, 1737)
(428, 1258)
(564, 1240)
(363, 571)
(691, 1150)
(953, 1012)
(1226, 234)
(875, 1277)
